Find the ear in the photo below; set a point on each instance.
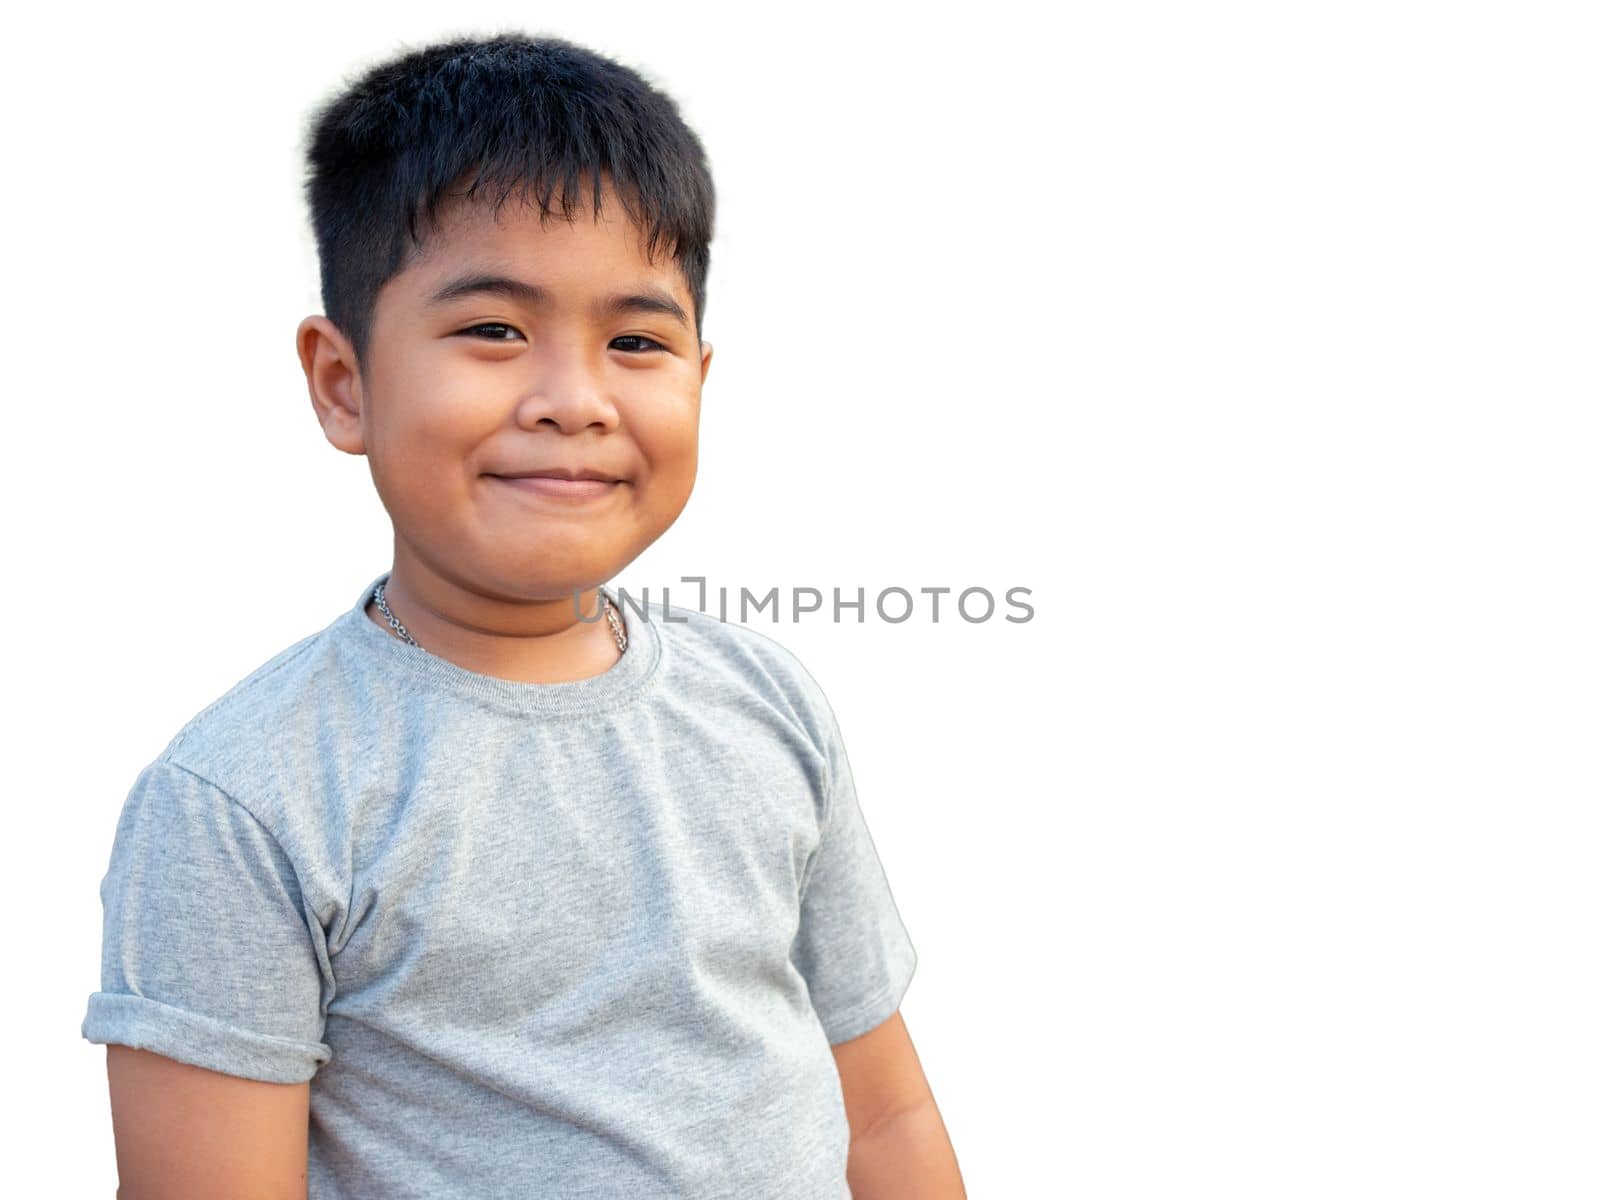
(705, 360)
(334, 381)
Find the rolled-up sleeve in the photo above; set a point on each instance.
(208, 955)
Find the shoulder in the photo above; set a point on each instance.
(726, 652)
(259, 727)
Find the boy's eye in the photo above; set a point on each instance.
(650, 344)
(490, 325)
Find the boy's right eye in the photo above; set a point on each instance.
(490, 325)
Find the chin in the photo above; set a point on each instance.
(543, 582)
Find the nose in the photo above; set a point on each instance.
(570, 392)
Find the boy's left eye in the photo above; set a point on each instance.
(650, 344)
(635, 337)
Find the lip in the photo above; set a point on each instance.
(558, 488)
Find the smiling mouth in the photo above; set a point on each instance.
(562, 489)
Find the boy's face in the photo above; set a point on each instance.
(468, 384)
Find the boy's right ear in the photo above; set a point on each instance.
(333, 380)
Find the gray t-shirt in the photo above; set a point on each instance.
(586, 939)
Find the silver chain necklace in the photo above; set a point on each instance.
(610, 609)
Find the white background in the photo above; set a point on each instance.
(1258, 340)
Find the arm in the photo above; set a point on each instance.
(184, 1131)
(898, 1145)
(210, 1006)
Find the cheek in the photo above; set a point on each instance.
(419, 458)
(668, 432)
(430, 415)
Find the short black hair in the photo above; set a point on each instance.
(525, 114)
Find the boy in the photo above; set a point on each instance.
(465, 894)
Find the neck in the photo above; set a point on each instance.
(538, 639)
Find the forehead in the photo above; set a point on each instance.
(583, 251)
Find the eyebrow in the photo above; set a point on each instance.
(482, 283)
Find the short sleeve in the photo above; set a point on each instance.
(207, 955)
(852, 947)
